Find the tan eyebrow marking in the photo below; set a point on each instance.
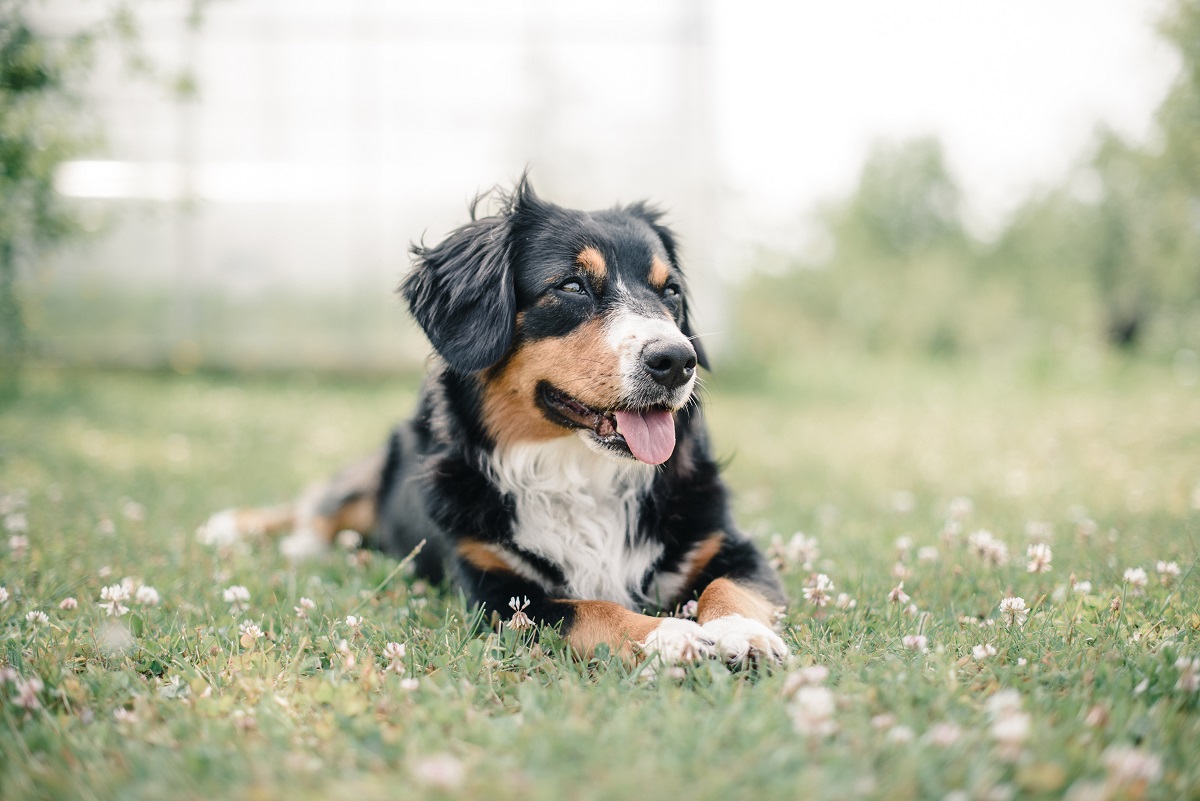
(592, 260)
(659, 273)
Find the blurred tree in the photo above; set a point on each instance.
(1147, 221)
(907, 201)
(39, 129)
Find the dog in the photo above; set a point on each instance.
(558, 465)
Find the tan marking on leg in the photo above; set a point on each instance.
(605, 622)
(659, 273)
(701, 555)
(482, 556)
(356, 515)
(592, 261)
(725, 597)
(580, 364)
(265, 521)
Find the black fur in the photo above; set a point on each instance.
(466, 293)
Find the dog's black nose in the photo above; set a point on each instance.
(670, 363)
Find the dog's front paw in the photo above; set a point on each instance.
(675, 641)
(741, 639)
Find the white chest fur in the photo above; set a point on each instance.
(579, 510)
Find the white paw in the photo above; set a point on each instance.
(220, 529)
(675, 641)
(302, 544)
(742, 639)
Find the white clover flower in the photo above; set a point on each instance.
(353, 621)
(440, 771)
(349, 660)
(812, 711)
(844, 601)
(898, 595)
(37, 618)
(901, 571)
(1010, 732)
(960, 508)
(125, 716)
(904, 544)
(16, 523)
(1039, 555)
(928, 554)
(799, 550)
(1127, 765)
(1010, 726)
(394, 651)
(250, 634)
(27, 692)
(113, 598)
(13, 502)
(1136, 577)
(983, 651)
(306, 604)
(1189, 674)
(1167, 572)
(916, 642)
(3, 595)
(943, 735)
(67, 604)
(410, 684)
(147, 596)
(1083, 587)
(991, 550)
(133, 510)
(238, 598)
(818, 589)
(804, 677)
(1014, 611)
(519, 619)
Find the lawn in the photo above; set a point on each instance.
(1086, 688)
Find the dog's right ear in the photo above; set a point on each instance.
(461, 293)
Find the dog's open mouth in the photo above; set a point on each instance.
(646, 434)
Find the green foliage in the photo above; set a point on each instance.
(1112, 255)
(39, 129)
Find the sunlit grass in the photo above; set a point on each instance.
(890, 467)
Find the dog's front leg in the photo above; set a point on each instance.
(584, 624)
(741, 620)
(740, 596)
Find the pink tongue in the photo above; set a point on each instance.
(650, 435)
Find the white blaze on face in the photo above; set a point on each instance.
(628, 335)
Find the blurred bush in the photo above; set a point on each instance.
(1109, 258)
(39, 129)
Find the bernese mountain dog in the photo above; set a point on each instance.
(558, 454)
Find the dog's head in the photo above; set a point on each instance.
(572, 321)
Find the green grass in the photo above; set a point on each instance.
(166, 701)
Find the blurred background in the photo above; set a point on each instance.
(235, 184)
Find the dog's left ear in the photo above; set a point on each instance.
(461, 293)
(653, 217)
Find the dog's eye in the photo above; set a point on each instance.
(670, 291)
(574, 286)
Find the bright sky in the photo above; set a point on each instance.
(1013, 88)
